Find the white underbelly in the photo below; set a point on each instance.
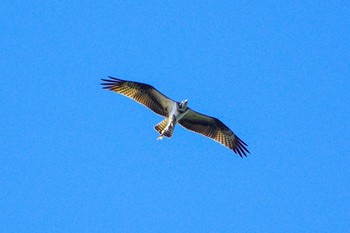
(178, 115)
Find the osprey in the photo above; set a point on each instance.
(176, 112)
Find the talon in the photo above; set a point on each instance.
(160, 137)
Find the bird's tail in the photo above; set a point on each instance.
(169, 131)
(160, 127)
(163, 129)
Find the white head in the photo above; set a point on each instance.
(183, 105)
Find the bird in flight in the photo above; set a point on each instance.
(176, 112)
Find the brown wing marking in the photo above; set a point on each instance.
(213, 128)
(143, 93)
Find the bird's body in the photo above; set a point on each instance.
(176, 112)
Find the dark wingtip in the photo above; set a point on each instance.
(116, 79)
(236, 150)
(241, 148)
(110, 83)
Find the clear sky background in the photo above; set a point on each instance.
(76, 158)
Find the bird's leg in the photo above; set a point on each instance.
(162, 133)
(160, 137)
(171, 124)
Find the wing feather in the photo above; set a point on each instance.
(143, 93)
(213, 128)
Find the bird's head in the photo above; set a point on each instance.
(183, 105)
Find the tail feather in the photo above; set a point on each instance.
(160, 127)
(169, 132)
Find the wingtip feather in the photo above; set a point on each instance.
(110, 83)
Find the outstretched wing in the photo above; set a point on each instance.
(143, 93)
(214, 129)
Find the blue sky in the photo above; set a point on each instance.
(76, 158)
